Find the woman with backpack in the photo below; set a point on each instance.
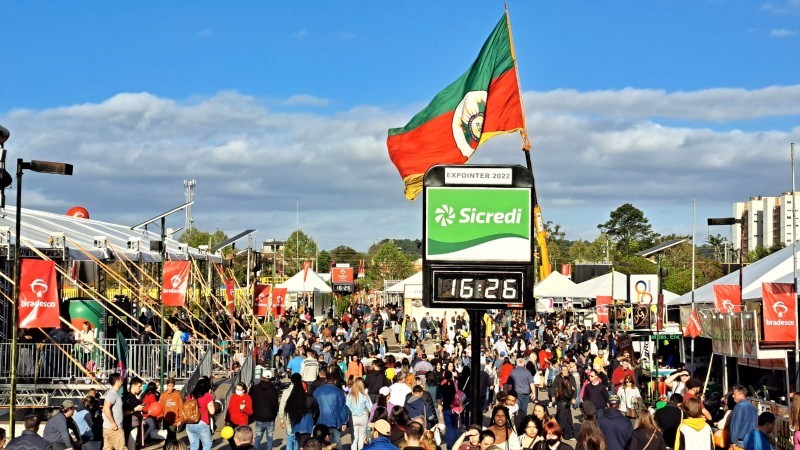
(198, 410)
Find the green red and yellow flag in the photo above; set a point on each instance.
(482, 103)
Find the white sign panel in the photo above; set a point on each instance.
(498, 176)
(413, 291)
(644, 289)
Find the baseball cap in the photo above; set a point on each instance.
(588, 409)
(613, 400)
(385, 391)
(692, 383)
(268, 374)
(67, 404)
(381, 426)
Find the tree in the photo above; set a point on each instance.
(195, 238)
(411, 248)
(717, 242)
(557, 244)
(629, 229)
(324, 261)
(299, 247)
(345, 254)
(389, 263)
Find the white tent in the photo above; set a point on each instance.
(313, 283)
(602, 285)
(772, 268)
(553, 286)
(400, 287)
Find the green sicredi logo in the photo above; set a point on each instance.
(478, 224)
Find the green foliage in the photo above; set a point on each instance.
(324, 260)
(345, 254)
(298, 248)
(195, 238)
(760, 252)
(557, 244)
(635, 265)
(630, 229)
(389, 263)
(412, 249)
(593, 252)
(342, 305)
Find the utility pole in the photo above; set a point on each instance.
(188, 188)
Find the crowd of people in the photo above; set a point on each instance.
(320, 382)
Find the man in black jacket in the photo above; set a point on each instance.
(30, 439)
(616, 428)
(669, 417)
(265, 408)
(375, 380)
(57, 429)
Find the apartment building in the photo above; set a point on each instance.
(766, 221)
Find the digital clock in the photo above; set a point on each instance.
(485, 287)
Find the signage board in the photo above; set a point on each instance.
(344, 288)
(341, 275)
(478, 237)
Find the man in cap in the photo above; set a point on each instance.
(30, 439)
(265, 408)
(380, 436)
(616, 428)
(693, 387)
(57, 429)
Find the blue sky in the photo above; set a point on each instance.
(271, 104)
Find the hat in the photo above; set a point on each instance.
(502, 353)
(267, 374)
(381, 426)
(67, 404)
(692, 383)
(588, 409)
(385, 391)
(613, 400)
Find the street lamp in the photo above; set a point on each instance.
(56, 168)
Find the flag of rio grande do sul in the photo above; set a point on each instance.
(261, 299)
(780, 316)
(176, 280)
(38, 294)
(727, 298)
(602, 302)
(278, 302)
(481, 104)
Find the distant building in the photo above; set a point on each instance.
(767, 221)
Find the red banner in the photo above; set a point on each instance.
(779, 312)
(230, 291)
(361, 271)
(176, 280)
(342, 275)
(306, 266)
(566, 270)
(278, 302)
(727, 298)
(38, 294)
(602, 302)
(693, 328)
(261, 299)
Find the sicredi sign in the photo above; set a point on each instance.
(478, 224)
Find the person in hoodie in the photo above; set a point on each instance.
(333, 412)
(415, 404)
(615, 427)
(693, 433)
(172, 404)
(265, 408)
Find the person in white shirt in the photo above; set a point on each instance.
(398, 392)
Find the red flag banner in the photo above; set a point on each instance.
(484, 102)
(230, 291)
(176, 280)
(693, 328)
(727, 298)
(603, 302)
(566, 270)
(278, 302)
(779, 312)
(38, 294)
(342, 275)
(306, 266)
(261, 299)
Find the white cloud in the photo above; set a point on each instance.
(592, 152)
(306, 100)
(785, 7)
(782, 33)
(299, 34)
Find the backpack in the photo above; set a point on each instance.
(191, 411)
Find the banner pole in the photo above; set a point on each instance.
(163, 348)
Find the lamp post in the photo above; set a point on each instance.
(56, 168)
(732, 221)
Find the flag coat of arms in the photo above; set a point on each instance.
(482, 103)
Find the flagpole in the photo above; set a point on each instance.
(694, 204)
(526, 143)
(794, 262)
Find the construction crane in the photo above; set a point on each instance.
(538, 222)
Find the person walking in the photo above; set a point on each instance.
(647, 435)
(744, 417)
(360, 405)
(265, 399)
(172, 404)
(200, 432)
(58, 427)
(333, 412)
(616, 428)
(694, 433)
(522, 380)
(113, 435)
(565, 397)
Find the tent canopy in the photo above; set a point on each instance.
(400, 287)
(772, 268)
(553, 286)
(86, 237)
(602, 285)
(313, 283)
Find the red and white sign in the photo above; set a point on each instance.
(230, 292)
(566, 270)
(38, 294)
(278, 302)
(176, 280)
(727, 298)
(693, 328)
(261, 299)
(780, 315)
(306, 266)
(603, 302)
(342, 275)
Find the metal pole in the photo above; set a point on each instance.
(794, 262)
(694, 201)
(15, 307)
(476, 403)
(163, 361)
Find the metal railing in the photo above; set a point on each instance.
(204, 368)
(47, 361)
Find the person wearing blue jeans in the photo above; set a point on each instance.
(198, 433)
(264, 429)
(451, 427)
(265, 408)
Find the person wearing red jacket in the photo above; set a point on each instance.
(621, 372)
(240, 407)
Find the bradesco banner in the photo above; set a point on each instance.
(478, 224)
(38, 294)
(176, 280)
(779, 312)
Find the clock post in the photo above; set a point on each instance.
(478, 237)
